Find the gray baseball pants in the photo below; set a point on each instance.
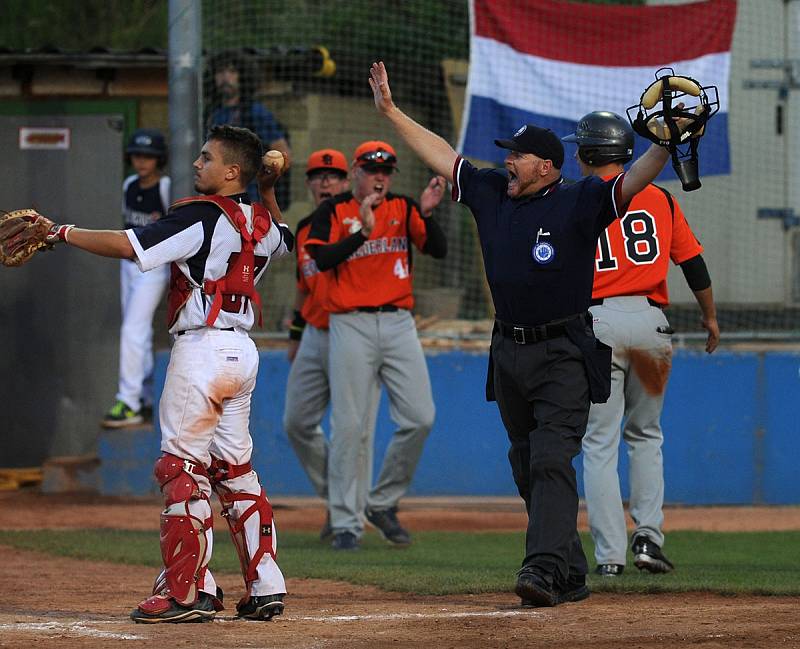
(307, 399)
(640, 366)
(367, 350)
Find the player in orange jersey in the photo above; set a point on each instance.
(366, 238)
(628, 298)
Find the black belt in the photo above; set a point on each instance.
(651, 302)
(527, 335)
(385, 308)
(180, 333)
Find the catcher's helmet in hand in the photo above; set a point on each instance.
(603, 137)
(148, 141)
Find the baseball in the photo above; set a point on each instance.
(274, 159)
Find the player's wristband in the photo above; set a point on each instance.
(58, 233)
(297, 326)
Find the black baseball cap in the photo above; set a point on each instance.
(541, 142)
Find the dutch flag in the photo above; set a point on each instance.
(549, 62)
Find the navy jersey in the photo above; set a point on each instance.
(200, 240)
(143, 206)
(538, 250)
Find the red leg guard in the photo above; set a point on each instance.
(184, 547)
(249, 558)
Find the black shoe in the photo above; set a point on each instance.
(261, 607)
(385, 521)
(609, 569)
(203, 610)
(147, 412)
(326, 532)
(648, 556)
(345, 541)
(534, 590)
(575, 590)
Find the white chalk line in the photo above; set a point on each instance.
(412, 616)
(85, 628)
(75, 628)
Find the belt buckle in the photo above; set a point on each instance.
(519, 335)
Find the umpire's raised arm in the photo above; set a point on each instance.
(432, 149)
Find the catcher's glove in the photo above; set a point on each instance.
(24, 232)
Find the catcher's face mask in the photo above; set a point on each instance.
(672, 112)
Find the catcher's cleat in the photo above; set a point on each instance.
(160, 609)
(261, 607)
(534, 590)
(648, 556)
(609, 569)
(121, 416)
(385, 521)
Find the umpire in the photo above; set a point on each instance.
(538, 236)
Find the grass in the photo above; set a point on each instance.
(440, 563)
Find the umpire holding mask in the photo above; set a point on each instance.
(538, 236)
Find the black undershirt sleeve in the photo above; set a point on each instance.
(696, 273)
(435, 241)
(332, 254)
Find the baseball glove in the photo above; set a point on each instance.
(22, 234)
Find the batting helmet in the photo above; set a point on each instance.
(148, 141)
(603, 137)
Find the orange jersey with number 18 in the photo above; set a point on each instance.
(633, 253)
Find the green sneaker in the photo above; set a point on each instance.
(121, 416)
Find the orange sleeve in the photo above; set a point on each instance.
(684, 244)
(416, 225)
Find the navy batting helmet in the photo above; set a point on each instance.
(603, 137)
(148, 141)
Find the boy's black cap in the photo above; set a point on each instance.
(541, 142)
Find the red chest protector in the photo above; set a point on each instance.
(238, 284)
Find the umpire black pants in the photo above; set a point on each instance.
(542, 391)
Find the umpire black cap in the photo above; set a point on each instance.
(541, 142)
(603, 137)
(147, 141)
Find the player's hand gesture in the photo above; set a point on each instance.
(432, 195)
(366, 214)
(379, 82)
(711, 326)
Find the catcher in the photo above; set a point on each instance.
(219, 246)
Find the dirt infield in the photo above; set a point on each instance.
(68, 603)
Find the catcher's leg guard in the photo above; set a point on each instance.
(186, 524)
(249, 514)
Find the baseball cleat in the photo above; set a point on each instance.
(121, 415)
(159, 609)
(261, 607)
(647, 556)
(609, 569)
(385, 521)
(346, 541)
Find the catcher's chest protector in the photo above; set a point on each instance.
(238, 285)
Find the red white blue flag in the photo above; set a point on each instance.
(549, 62)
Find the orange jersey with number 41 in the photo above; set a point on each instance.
(633, 253)
(380, 271)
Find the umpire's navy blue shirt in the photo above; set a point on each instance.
(538, 250)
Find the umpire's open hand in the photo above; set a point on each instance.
(379, 82)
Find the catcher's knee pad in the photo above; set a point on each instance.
(186, 524)
(249, 514)
(175, 476)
